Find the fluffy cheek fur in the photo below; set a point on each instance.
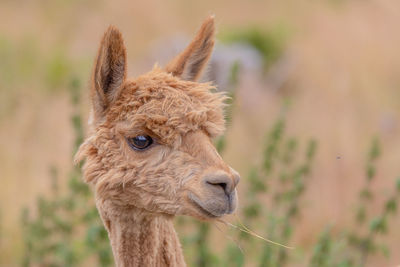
(153, 180)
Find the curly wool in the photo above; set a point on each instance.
(157, 104)
(169, 107)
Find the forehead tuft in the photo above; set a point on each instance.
(169, 107)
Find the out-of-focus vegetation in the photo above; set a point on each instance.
(353, 246)
(270, 44)
(66, 229)
(307, 180)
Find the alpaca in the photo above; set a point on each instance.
(149, 154)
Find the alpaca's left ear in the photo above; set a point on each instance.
(189, 64)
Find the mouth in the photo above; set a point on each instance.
(202, 209)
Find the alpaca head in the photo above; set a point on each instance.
(150, 144)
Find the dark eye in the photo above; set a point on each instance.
(140, 142)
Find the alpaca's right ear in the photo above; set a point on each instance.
(109, 71)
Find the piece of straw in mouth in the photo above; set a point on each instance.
(250, 232)
(230, 238)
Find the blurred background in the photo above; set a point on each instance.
(313, 127)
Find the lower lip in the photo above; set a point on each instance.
(203, 210)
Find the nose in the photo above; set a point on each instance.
(223, 181)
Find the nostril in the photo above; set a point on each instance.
(222, 185)
(223, 182)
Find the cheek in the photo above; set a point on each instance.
(185, 169)
(160, 172)
(174, 172)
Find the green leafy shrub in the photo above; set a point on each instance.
(353, 246)
(280, 180)
(65, 229)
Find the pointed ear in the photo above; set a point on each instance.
(109, 71)
(191, 62)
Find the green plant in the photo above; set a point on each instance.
(282, 177)
(65, 229)
(366, 242)
(353, 246)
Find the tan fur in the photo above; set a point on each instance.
(139, 192)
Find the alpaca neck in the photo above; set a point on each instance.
(143, 239)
